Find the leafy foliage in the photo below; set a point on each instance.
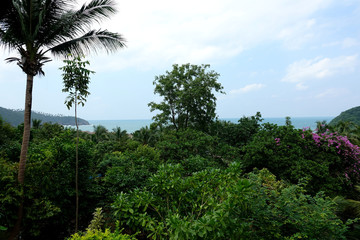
(178, 146)
(283, 211)
(94, 231)
(188, 96)
(130, 169)
(101, 235)
(300, 155)
(185, 184)
(239, 134)
(76, 81)
(221, 204)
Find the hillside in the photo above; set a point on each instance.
(350, 115)
(16, 117)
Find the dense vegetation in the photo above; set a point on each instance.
(16, 117)
(242, 180)
(188, 176)
(350, 115)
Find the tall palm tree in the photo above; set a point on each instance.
(34, 28)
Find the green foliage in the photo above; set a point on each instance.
(9, 193)
(94, 232)
(348, 129)
(222, 204)
(49, 189)
(350, 115)
(282, 211)
(179, 146)
(292, 155)
(100, 134)
(9, 143)
(209, 204)
(97, 221)
(120, 135)
(239, 134)
(130, 169)
(147, 135)
(46, 131)
(188, 96)
(101, 235)
(76, 81)
(52, 176)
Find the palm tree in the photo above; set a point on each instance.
(119, 134)
(36, 123)
(34, 28)
(100, 133)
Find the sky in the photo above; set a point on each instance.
(279, 57)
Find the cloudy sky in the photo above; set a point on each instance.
(279, 57)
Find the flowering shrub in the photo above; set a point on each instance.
(349, 152)
(322, 161)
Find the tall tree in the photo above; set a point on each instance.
(76, 82)
(188, 93)
(34, 28)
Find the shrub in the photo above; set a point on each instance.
(223, 204)
(130, 169)
(294, 155)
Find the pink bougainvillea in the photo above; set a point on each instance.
(341, 144)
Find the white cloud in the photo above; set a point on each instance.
(295, 36)
(161, 32)
(301, 86)
(247, 88)
(319, 68)
(331, 93)
(350, 42)
(345, 43)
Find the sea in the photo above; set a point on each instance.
(132, 125)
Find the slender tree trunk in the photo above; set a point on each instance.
(77, 169)
(24, 149)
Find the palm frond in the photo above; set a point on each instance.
(91, 41)
(96, 10)
(34, 27)
(70, 24)
(32, 67)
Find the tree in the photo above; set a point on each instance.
(35, 27)
(188, 96)
(119, 134)
(76, 81)
(36, 123)
(100, 134)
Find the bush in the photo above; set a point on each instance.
(282, 211)
(236, 134)
(293, 155)
(176, 146)
(94, 232)
(222, 204)
(128, 170)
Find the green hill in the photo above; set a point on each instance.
(351, 115)
(16, 117)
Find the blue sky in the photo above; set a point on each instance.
(279, 57)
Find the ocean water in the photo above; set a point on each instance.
(132, 125)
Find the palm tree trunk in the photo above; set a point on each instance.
(77, 169)
(24, 149)
(27, 126)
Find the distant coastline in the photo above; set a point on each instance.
(16, 117)
(132, 125)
